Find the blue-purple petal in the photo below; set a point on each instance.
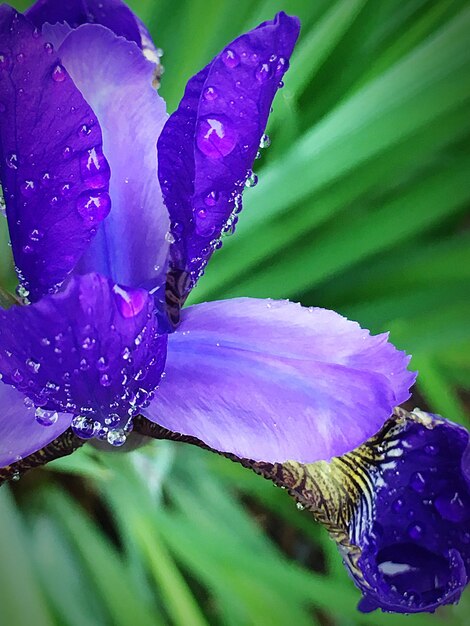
(20, 433)
(208, 146)
(116, 79)
(274, 381)
(113, 14)
(47, 130)
(92, 349)
(415, 548)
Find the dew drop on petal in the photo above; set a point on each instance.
(4, 61)
(210, 93)
(59, 73)
(116, 437)
(230, 58)
(263, 72)
(453, 506)
(129, 302)
(416, 531)
(216, 137)
(84, 427)
(94, 205)
(46, 418)
(94, 168)
(12, 161)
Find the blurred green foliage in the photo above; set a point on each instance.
(362, 206)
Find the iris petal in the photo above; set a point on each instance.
(47, 130)
(209, 144)
(20, 433)
(274, 381)
(113, 14)
(398, 507)
(92, 349)
(116, 79)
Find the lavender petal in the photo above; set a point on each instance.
(116, 80)
(274, 381)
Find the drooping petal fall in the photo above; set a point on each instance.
(208, 146)
(92, 349)
(116, 80)
(20, 433)
(398, 507)
(274, 381)
(47, 132)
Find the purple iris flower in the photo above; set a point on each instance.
(106, 251)
(114, 209)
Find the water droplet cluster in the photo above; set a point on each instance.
(101, 372)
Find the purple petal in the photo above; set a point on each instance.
(113, 14)
(20, 433)
(116, 80)
(209, 144)
(91, 350)
(415, 549)
(274, 381)
(47, 130)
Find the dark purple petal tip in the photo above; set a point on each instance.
(208, 146)
(54, 175)
(114, 14)
(92, 350)
(415, 548)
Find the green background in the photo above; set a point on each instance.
(362, 206)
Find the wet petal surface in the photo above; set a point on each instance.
(91, 350)
(209, 144)
(275, 381)
(47, 130)
(116, 79)
(113, 14)
(20, 433)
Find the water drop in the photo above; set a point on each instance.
(418, 482)
(59, 73)
(12, 161)
(28, 188)
(211, 198)
(169, 237)
(282, 66)
(105, 380)
(48, 47)
(263, 72)
(210, 94)
(35, 234)
(265, 141)
(216, 137)
(252, 180)
(230, 58)
(397, 505)
(415, 531)
(94, 168)
(33, 365)
(117, 437)
(453, 506)
(20, 57)
(46, 418)
(4, 61)
(93, 205)
(84, 427)
(84, 130)
(130, 302)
